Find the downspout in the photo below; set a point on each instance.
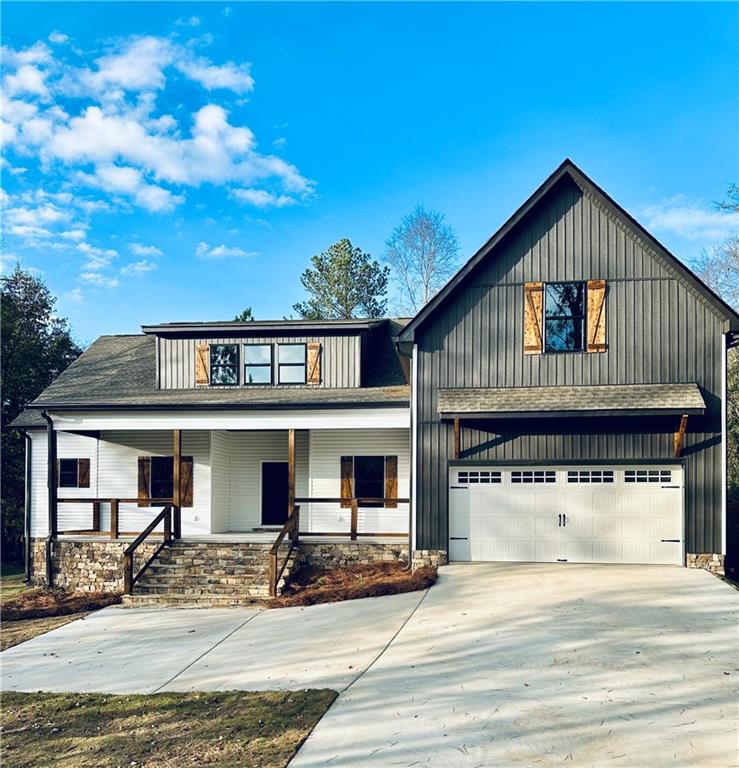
(27, 510)
(51, 484)
(411, 437)
(726, 338)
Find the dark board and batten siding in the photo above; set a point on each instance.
(659, 330)
(340, 358)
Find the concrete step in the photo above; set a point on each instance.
(185, 601)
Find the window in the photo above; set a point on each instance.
(73, 473)
(291, 363)
(475, 477)
(648, 476)
(369, 479)
(224, 364)
(156, 479)
(535, 476)
(162, 483)
(257, 363)
(564, 317)
(590, 476)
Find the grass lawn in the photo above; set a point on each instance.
(167, 730)
(11, 583)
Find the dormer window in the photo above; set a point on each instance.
(291, 363)
(564, 317)
(257, 363)
(224, 364)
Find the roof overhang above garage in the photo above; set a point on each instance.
(577, 401)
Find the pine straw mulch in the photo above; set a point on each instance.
(44, 603)
(311, 586)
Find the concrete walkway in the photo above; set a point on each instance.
(498, 665)
(127, 650)
(543, 665)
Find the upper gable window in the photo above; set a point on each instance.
(224, 364)
(291, 363)
(257, 363)
(564, 317)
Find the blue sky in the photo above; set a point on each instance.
(172, 161)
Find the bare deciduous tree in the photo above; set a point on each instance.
(422, 253)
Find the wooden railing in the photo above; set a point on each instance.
(115, 531)
(355, 504)
(291, 529)
(129, 577)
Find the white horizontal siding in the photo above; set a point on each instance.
(70, 516)
(248, 451)
(220, 471)
(118, 472)
(327, 446)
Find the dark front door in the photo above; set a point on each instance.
(274, 492)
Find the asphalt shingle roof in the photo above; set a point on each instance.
(685, 398)
(121, 371)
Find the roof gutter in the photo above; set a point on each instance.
(216, 406)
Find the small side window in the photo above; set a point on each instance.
(68, 473)
(564, 317)
(257, 363)
(291, 363)
(224, 364)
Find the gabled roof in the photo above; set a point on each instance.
(569, 169)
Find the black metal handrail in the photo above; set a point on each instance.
(291, 528)
(129, 578)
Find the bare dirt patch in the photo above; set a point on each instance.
(310, 586)
(166, 730)
(16, 632)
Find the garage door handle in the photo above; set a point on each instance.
(559, 523)
(670, 541)
(458, 538)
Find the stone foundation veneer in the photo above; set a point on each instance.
(710, 562)
(436, 557)
(85, 566)
(339, 554)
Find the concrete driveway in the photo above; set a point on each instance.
(541, 665)
(498, 665)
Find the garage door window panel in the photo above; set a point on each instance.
(533, 476)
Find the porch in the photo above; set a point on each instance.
(259, 490)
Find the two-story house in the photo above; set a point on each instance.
(563, 398)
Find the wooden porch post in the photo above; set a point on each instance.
(457, 439)
(176, 489)
(290, 471)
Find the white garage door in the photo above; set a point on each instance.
(582, 514)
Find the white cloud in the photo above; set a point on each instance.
(58, 38)
(227, 11)
(103, 281)
(42, 214)
(74, 234)
(205, 251)
(27, 79)
(145, 250)
(263, 199)
(689, 220)
(138, 267)
(193, 21)
(129, 181)
(75, 296)
(97, 258)
(229, 76)
(38, 53)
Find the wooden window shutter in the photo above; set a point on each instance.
(391, 481)
(144, 479)
(202, 364)
(347, 476)
(314, 363)
(83, 473)
(533, 318)
(596, 321)
(186, 482)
